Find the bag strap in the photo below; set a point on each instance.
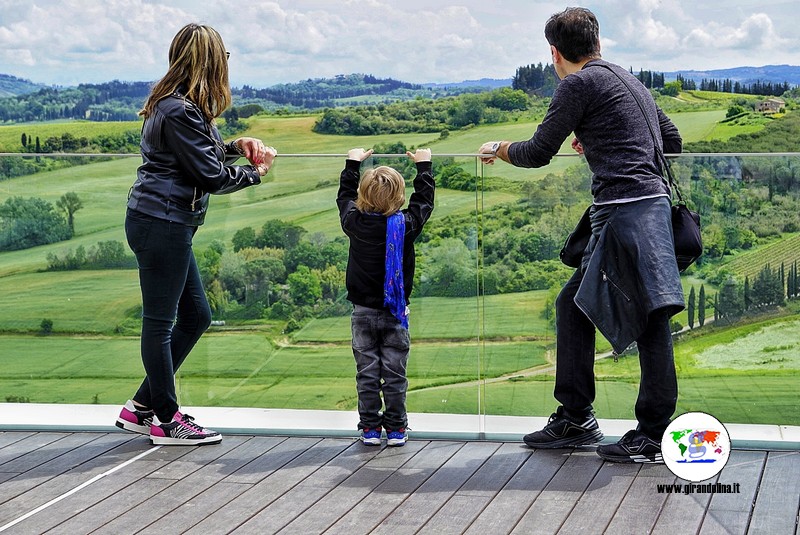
(659, 150)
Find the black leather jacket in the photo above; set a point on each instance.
(183, 161)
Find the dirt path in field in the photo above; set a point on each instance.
(542, 369)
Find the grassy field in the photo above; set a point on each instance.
(11, 135)
(738, 374)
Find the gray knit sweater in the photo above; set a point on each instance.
(618, 146)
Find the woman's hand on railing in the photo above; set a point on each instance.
(267, 158)
(255, 151)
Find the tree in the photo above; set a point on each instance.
(306, 254)
(466, 110)
(690, 308)
(280, 234)
(46, 327)
(70, 203)
(508, 99)
(243, 238)
(305, 287)
(450, 270)
(672, 89)
(701, 306)
(26, 223)
(748, 300)
(730, 301)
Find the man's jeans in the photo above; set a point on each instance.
(171, 288)
(575, 352)
(380, 347)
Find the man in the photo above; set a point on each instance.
(628, 285)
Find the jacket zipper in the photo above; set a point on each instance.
(620, 290)
(194, 197)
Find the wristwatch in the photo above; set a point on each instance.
(495, 146)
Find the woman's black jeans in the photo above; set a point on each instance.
(175, 312)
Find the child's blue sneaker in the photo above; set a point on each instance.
(371, 437)
(396, 438)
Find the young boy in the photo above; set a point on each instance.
(380, 273)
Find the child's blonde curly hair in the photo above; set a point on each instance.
(381, 190)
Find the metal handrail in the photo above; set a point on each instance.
(328, 155)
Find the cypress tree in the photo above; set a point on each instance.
(701, 306)
(690, 308)
(747, 301)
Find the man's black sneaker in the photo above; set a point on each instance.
(633, 447)
(562, 431)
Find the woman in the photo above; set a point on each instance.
(183, 161)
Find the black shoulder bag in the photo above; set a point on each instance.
(685, 222)
(577, 241)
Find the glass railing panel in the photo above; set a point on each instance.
(736, 344)
(482, 325)
(273, 261)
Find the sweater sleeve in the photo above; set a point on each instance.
(420, 205)
(563, 116)
(671, 138)
(348, 189)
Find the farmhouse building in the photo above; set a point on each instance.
(771, 105)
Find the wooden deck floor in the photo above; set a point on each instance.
(116, 483)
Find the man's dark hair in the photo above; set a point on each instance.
(575, 33)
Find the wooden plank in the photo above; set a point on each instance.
(778, 500)
(602, 498)
(33, 487)
(122, 450)
(26, 445)
(459, 512)
(95, 519)
(177, 494)
(198, 457)
(553, 505)
(297, 500)
(264, 465)
(307, 456)
(730, 513)
(415, 511)
(92, 506)
(508, 506)
(207, 486)
(641, 506)
(357, 487)
(10, 437)
(395, 489)
(681, 512)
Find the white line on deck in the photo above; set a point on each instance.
(78, 488)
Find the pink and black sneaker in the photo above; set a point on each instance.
(181, 431)
(135, 420)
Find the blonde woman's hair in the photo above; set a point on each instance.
(199, 62)
(381, 190)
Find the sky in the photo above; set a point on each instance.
(67, 42)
